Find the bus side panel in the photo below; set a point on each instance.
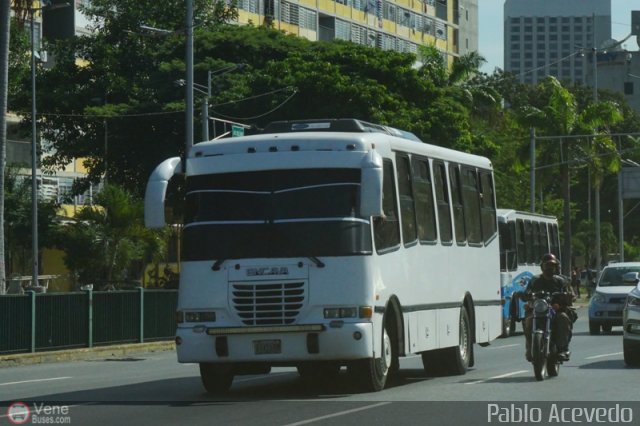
(427, 337)
(448, 327)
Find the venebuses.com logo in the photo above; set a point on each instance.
(18, 413)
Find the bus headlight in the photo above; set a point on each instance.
(348, 312)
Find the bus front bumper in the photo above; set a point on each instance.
(281, 345)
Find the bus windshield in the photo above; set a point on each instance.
(275, 213)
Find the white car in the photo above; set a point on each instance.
(631, 322)
(608, 300)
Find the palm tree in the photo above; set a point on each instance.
(558, 116)
(108, 239)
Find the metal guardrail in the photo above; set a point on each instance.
(48, 321)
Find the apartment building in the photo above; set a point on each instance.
(554, 37)
(400, 25)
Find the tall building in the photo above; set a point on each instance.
(554, 37)
(468, 23)
(401, 25)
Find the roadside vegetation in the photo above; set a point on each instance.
(112, 99)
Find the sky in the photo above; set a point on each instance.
(491, 29)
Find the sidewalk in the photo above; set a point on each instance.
(581, 301)
(114, 351)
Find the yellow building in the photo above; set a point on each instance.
(400, 25)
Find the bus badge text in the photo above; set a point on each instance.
(268, 270)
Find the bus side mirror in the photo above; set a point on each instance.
(371, 186)
(156, 191)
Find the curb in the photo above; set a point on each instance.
(14, 360)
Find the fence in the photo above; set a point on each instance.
(49, 321)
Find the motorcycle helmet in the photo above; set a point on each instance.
(549, 258)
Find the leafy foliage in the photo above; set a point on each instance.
(111, 99)
(107, 242)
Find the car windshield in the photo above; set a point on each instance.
(275, 213)
(613, 276)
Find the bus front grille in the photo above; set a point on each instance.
(268, 303)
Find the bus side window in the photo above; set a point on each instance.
(535, 233)
(471, 197)
(528, 232)
(407, 206)
(387, 229)
(425, 208)
(456, 203)
(521, 241)
(487, 205)
(442, 198)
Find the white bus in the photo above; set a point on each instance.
(524, 239)
(330, 243)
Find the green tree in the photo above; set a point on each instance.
(107, 242)
(18, 222)
(558, 115)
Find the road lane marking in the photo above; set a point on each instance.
(502, 376)
(603, 355)
(339, 413)
(32, 381)
(505, 346)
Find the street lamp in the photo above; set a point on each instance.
(206, 91)
(34, 141)
(188, 77)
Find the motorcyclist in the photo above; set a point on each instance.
(549, 281)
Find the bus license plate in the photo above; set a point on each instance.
(264, 347)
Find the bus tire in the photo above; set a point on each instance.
(216, 378)
(432, 362)
(457, 358)
(506, 327)
(371, 374)
(512, 326)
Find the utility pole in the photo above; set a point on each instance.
(189, 80)
(34, 160)
(596, 198)
(532, 172)
(5, 6)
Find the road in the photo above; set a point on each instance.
(154, 389)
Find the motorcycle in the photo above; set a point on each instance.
(545, 354)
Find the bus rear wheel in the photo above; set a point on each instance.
(458, 358)
(216, 378)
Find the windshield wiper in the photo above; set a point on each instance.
(217, 264)
(317, 261)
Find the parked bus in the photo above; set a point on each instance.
(331, 243)
(524, 238)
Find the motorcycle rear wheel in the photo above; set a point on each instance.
(539, 357)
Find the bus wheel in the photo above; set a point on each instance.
(216, 378)
(506, 327)
(457, 358)
(432, 362)
(371, 373)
